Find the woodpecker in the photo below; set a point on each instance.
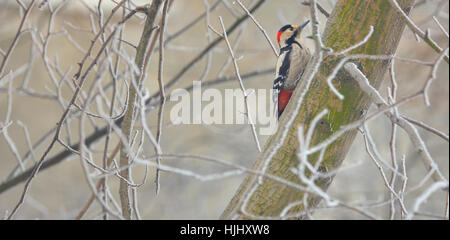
(291, 63)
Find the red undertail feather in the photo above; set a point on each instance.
(283, 100)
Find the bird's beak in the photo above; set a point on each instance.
(303, 26)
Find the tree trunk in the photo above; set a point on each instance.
(348, 24)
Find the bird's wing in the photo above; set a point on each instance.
(282, 71)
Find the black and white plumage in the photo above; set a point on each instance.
(292, 61)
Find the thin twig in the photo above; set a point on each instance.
(321, 9)
(161, 90)
(259, 26)
(16, 37)
(425, 36)
(64, 115)
(99, 186)
(241, 85)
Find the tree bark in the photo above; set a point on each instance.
(348, 24)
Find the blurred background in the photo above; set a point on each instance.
(61, 191)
